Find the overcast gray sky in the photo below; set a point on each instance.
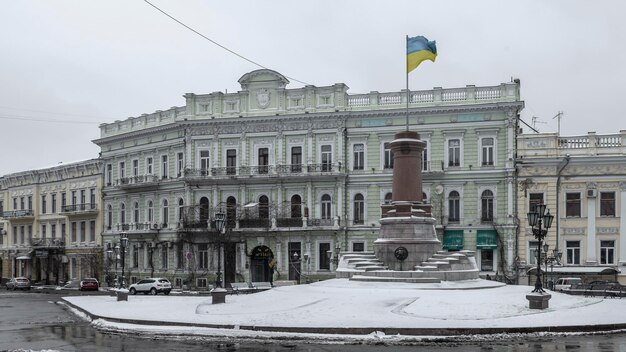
(92, 62)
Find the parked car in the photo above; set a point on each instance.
(565, 283)
(88, 284)
(18, 283)
(152, 285)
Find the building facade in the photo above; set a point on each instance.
(582, 181)
(300, 174)
(51, 223)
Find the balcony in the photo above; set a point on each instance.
(319, 222)
(281, 170)
(289, 222)
(133, 182)
(47, 243)
(79, 209)
(17, 214)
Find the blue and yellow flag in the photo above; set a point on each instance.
(419, 49)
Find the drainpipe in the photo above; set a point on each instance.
(562, 166)
(345, 189)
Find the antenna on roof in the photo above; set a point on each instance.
(558, 117)
(535, 122)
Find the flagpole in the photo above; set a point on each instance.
(407, 82)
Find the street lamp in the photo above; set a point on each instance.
(220, 221)
(109, 256)
(540, 223)
(123, 245)
(551, 259)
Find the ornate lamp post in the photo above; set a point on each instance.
(220, 221)
(551, 259)
(123, 245)
(109, 256)
(540, 223)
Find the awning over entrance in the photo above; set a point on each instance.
(453, 240)
(486, 239)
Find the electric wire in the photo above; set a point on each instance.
(35, 119)
(214, 42)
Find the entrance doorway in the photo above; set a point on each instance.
(295, 256)
(486, 260)
(230, 264)
(260, 260)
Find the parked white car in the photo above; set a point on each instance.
(565, 283)
(152, 285)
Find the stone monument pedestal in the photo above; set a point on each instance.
(538, 300)
(218, 295)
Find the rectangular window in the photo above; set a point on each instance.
(22, 203)
(73, 197)
(454, 152)
(572, 205)
(296, 159)
(1, 207)
(53, 231)
(14, 203)
(322, 255)
(92, 198)
(264, 159)
(43, 231)
(92, 231)
(204, 162)
(180, 257)
(83, 200)
(22, 234)
(231, 161)
(109, 174)
(30, 202)
(73, 231)
(122, 170)
(487, 151)
(388, 156)
(135, 167)
(358, 246)
(534, 199)
(149, 165)
(327, 158)
(14, 235)
(63, 200)
(164, 257)
(43, 204)
(358, 156)
(203, 256)
(164, 167)
(83, 231)
(532, 252)
(572, 252)
(607, 203)
(135, 256)
(54, 203)
(180, 164)
(607, 252)
(63, 231)
(425, 161)
(201, 283)
(30, 233)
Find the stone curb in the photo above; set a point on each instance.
(368, 330)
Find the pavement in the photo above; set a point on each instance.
(340, 308)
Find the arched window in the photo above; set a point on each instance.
(359, 209)
(165, 212)
(424, 198)
(150, 212)
(181, 209)
(264, 207)
(388, 198)
(122, 213)
(109, 216)
(454, 206)
(136, 212)
(326, 207)
(486, 206)
(231, 211)
(296, 206)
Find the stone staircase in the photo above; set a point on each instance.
(442, 266)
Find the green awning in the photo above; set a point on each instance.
(486, 239)
(453, 240)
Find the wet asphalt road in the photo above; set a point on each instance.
(35, 321)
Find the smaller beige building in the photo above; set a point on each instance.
(51, 223)
(582, 180)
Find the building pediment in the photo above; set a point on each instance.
(263, 78)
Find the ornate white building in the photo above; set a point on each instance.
(50, 223)
(582, 180)
(300, 173)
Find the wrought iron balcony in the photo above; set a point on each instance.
(137, 181)
(263, 170)
(289, 222)
(17, 214)
(80, 208)
(319, 222)
(47, 242)
(249, 223)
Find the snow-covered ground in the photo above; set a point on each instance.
(342, 304)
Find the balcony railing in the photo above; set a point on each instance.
(17, 214)
(263, 170)
(84, 207)
(289, 222)
(319, 222)
(47, 242)
(137, 181)
(254, 223)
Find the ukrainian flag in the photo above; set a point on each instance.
(419, 49)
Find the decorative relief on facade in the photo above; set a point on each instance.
(607, 230)
(295, 140)
(201, 144)
(536, 143)
(453, 119)
(420, 120)
(622, 186)
(263, 98)
(230, 142)
(591, 185)
(574, 230)
(608, 185)
(574, 186)
(326, 138)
